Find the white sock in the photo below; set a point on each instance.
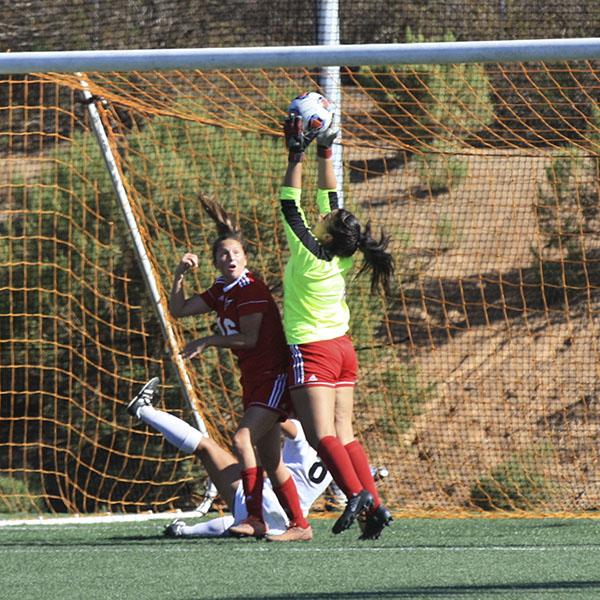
(213, 528)
(175, 430)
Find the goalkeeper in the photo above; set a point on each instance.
(307, 471)
(316, 321)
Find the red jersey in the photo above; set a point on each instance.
(245, 296)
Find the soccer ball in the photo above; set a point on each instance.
(316, 111)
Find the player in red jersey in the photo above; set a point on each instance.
(250, 325)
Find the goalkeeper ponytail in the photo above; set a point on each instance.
(348, 237)
(377, 259)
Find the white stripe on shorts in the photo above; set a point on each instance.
(277, 391)
(344, 383)
(297, 364)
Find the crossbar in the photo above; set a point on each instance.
(289, 56)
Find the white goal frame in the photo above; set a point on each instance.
(329, 55)
(296, 56)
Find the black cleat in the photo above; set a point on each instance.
(357, 504)
(143, 397)
(174, 529)
(375, 522)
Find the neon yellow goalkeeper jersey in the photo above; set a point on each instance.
(314, 283)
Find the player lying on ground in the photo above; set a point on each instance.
(308, 472)
(250, 326)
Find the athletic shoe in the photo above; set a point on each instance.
(174, 529)
(293, 534)
(249, 527)
(361, 501)
(144, 397)
(375, 522)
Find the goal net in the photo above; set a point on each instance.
(478, 384)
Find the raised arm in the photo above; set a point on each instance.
(327, 199)
(299, 236)
(179, 305)
(326, 179)
(293, 175)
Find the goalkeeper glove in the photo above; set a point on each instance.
(294, 137)
(324, 142)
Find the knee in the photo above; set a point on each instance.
(201, 447)
(241, 441)
(205, 446)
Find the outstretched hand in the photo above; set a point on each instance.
(193, 349)
(325, 140)
(294, 136)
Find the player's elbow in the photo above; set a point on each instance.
(175, 311)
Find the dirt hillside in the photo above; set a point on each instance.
(513, 376)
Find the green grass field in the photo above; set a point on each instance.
(415, 558)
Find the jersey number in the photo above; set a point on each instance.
(317, 472)
(227, 326)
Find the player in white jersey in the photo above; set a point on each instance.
(309, 473)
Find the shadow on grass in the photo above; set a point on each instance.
(130, 540)
(449, 591)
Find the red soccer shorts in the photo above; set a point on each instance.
(271, 393)
(331, 363)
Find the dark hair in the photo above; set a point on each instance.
(226, 230)
(348, 238)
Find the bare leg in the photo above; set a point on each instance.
(284, 485)
(344, 407)
(315, 407)
(289, 429)
(343, 426)
(269, 449)
(255, 424)
(222, 468)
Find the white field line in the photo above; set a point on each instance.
(86, 520)
(173, 547)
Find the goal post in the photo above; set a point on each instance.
(478, 375)
(144, 261)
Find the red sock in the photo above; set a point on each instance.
(360, 462)
(252, 480)
(287, 494)
(338, 463)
